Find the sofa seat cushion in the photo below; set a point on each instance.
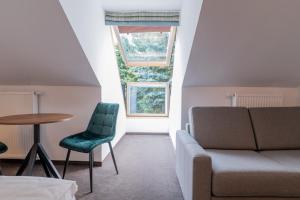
(242, 173)
(288, 158)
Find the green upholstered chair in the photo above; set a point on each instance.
(3, 148)
(101, 129)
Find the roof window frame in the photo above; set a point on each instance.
(165, 63)
(164, 85)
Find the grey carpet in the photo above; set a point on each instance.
(147, 172)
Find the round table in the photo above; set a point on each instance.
(37, 148)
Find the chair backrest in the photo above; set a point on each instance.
(222, 128)
(104, 119)
(3, 148)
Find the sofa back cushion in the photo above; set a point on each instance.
(222, 128)
(276, 128)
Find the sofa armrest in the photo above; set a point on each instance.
(193, 168)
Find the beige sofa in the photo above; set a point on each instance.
(237, 153)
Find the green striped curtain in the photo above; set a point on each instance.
(162, 18)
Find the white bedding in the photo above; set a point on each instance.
(36, 188)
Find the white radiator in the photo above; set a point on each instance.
(256, 100)
(19, 139)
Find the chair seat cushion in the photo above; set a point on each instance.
(238, 173)
(3, 147)
(84, 142)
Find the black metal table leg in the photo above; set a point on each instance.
(45, 158)
(37, 149)
(46, 170)
(30, 164)
(24, 164)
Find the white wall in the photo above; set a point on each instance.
(218, 96)
(147, 125)
(87, 20)
(17, 138)
(75, 100)
(190, 12)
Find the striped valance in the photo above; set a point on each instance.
(162, 18)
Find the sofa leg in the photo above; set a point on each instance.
(113, 157)
(91, 162)
(66, 163)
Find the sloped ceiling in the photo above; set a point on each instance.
(246, 43)
(38, 46)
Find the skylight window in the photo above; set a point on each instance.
(145, 60)
(147, 99)
(146, 45)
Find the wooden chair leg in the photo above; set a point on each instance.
(91, 162)
(113, 157)
(66, 163)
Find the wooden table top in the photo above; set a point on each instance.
(41, 118)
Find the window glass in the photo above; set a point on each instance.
(147, 99)
(147, 46)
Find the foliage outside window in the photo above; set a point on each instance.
(151, 99)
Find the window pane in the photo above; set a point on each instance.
(145, 46)
(147, 100)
